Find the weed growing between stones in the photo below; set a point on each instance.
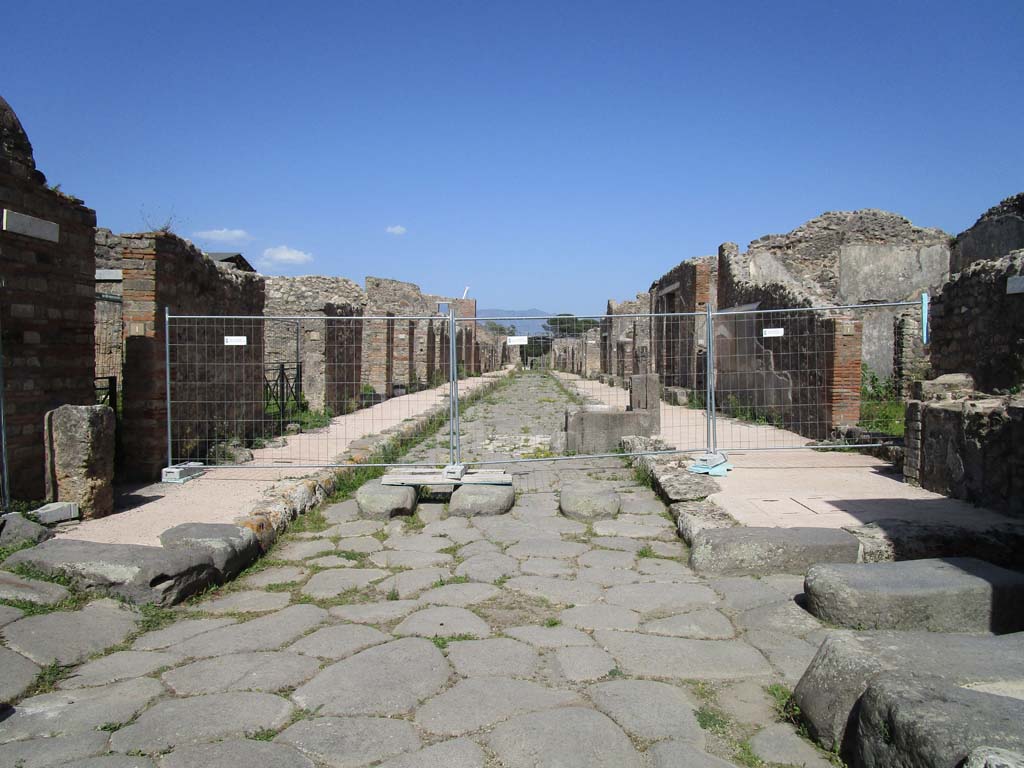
(442, 642)
(552, 622)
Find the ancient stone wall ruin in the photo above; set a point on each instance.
(679, 344)
(997, 232)
(626, 341)
(580, 355)
(47, 313)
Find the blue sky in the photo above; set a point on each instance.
(546, 154)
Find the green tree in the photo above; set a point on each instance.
(569, 325)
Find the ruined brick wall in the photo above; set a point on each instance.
(977, 327)
(677, 343)
(216, 390)
(47, 307)
(997, 232)
(330, 350)
(626, 341)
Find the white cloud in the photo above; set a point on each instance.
(223, 235)
(282, 254)
(396, 229)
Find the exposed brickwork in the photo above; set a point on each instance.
(679, 343)
(843, 370)
(47, 307)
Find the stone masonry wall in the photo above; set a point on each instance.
(678, 343)
(997, 232)
(47, 307)
(978, 328)
(626, 341)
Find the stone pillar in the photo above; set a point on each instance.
(843, 370)
(913, 455)
(80, 457)
(645, 395)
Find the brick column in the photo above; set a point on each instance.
(843, 370)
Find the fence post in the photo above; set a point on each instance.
(5, 479)
(709, 375)
(282, 393)
(454, 449)
(167, 381)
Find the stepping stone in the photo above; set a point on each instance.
(418, 543)
(648, 710)
(332, 561)
(476, 703)
(178, 632)
(583, 665)
(122, 665)
(743, 551)
(389, 679)
(550, 637)
(481, 500)
(479, 547)
(500, 656)
(355, 528)
(455, 753)
(235, 753)
(564, 738)
(957, 594)
(260, 671)
(85, 709)
(351, 742)
(673, 754)
(201, 719)
(443, 622)
(547, 566)
(682, 659)
(342, 512)
(339, 641)
(58, 750)
(410, 583)
(266, 633)
(396, 558)
(546, 547)
(600, 617)
(375, 613)
(14, 587)
(779, 743)
(327, 584)
(587, 502)
(247, 602)
(607, 558)
(301, 550)
(652, 598)
(70, 637)
(488, 567)
(17, 675)
(560, 591)
(707, 624)
(284, 574)
(382, 502)
(460, 595)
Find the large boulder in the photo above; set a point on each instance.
(229, 547)
(137, 573)
(992, 757)
(382, 502)
(481, 500)
(744, 551)
(958, 594)
(586, 502)
(80, 457)
(16, 530)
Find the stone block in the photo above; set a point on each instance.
(57, 512)
(944, 386)
(951, 595)
(16, 530)
(382, 502)
(600, 429)
(588, 501)
(230, 547)
(744, 551)
(80, 457)
(474, 500)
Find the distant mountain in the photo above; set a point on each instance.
(523, 327)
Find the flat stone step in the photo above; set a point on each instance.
(752, 551)
(956, 594)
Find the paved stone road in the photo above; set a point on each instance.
(522, 640)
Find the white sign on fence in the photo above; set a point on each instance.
(236, 341)
(769, 332)
(518, 341)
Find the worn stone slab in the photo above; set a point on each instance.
(382, 502)
(70, 637)
(339, 641)
(659, 570)
(705, 624)
(608, 577)
(122, 665)
(419, 542)
(351, 742)
(505, 530)
(230, 547)
(331, 561)
(460, 595)
(303, 549)
(17, 674)
(247, 601)
(266, 671)
(178, 632)
(583, 664)
(266, 633)
(14, 587)
(54, 751)
(740, 593)
(587, 502)
(747, 702)
(342, 512)
(284, 574)
(657, 598)
(634, 527)
(410, 583)
(560, 591)
(387, 679)
(648, 710)
(600, 617)
(607, 558)
(454, 753)
(547, 546)
(237, 753)
(333, 582)
(77, 711)
(779, 743)
(398, 558)
(488, 567)
(677, 658)
(355, 528)
(361, 545)
(375, 613)
(137, 573)
(789, 654)
(547, 566)
(959, 594)
(500, 656)
(786, 617)
(570, 737)
(477, 703)
(745, 551)
(201, 719)
(550, 637)
(677, 754)
(443, 622)
(481, 500)
(9, 613)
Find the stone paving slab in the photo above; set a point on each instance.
(560, 591)
(121, 665)
(375, 613)
(648, 710)
(236, 753)
(652, 597)
(550, 637)
(496, 657)
(285, 574)
(351, 742)
(17, 674)
(266, 633)
(454, 753)
(443, 621)
(334, 581)
(14, 587)
(265, 671)
(566, 738)
(704, 624)
(584, 664)
(408, 584)
(54, 751)
(460, 595)
(248, 601)
(338, 641)
(177, 633)
(73, 636)
(682, 659)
